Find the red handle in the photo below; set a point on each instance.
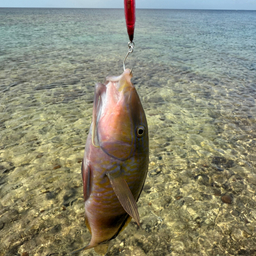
(129, 10)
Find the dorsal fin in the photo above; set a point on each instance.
(99, 89)
(86, 175)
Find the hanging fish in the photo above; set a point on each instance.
(115, 162)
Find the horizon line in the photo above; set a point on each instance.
(195, 9)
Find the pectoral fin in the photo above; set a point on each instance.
(124, 195)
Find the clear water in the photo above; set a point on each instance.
(195, 72)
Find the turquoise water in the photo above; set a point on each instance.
(195, 72)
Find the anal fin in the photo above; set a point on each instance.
(102, 249)
(124, 195)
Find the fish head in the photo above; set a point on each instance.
(119, 122)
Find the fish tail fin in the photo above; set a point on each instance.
(88, 246)
(102, 249)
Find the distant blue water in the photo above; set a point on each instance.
(220, 43)
(195, 72)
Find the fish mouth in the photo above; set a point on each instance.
(116, 114)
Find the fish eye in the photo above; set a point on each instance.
(140, 131)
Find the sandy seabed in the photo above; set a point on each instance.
(200, 193)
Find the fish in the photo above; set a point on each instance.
(115, 163)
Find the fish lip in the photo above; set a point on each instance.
(118, 147)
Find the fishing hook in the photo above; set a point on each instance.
(130, 50)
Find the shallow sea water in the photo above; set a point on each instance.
(195, 72)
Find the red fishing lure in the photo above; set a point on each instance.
(129, 10)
